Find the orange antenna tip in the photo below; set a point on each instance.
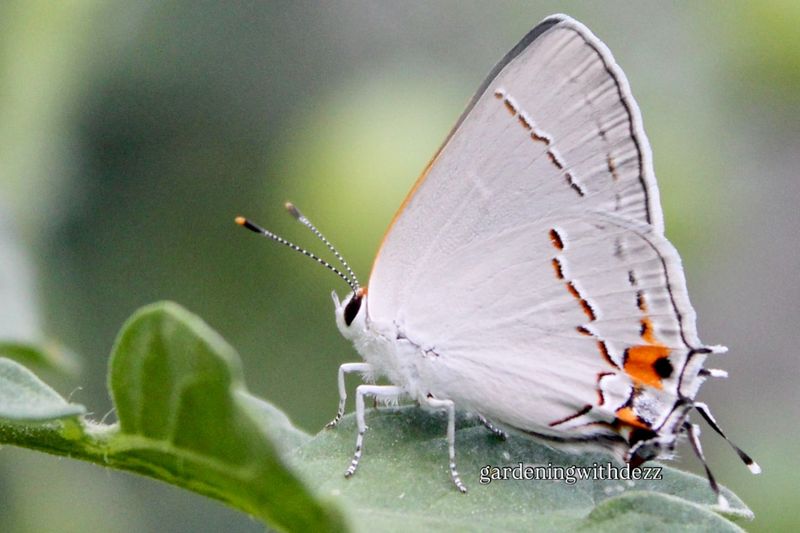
(240, 220)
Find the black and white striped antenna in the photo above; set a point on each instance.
(350, 279)
(307, 223)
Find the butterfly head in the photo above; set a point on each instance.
(351, 313)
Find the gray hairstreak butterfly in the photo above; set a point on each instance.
(526, 277)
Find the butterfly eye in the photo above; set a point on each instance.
(351, 309)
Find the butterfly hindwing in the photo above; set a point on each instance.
(580, 316)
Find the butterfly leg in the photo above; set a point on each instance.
(386, 391)
(450, 408)
(499, 433)
(346, 368)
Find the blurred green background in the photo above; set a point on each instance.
(131, 134)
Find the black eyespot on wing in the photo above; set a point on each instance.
(351, 309)
(663, 367)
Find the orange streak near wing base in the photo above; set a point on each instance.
(627, 416)
(402, 207)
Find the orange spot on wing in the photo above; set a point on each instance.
(640, 302)
(557, 268)
(640, 363)
(584, 304)
(573, 291)
(612, 168)
(587, 309)
(555, 238)
(647, 332)
(627, 416)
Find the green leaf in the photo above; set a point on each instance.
(403, 483)
(47, 357)
(185, 417)
(24, 397)
(654, 511)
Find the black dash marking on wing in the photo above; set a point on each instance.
(538, 137)
(609, 438)
(631, 129)
(601, 345)
(585, 409)
(571, 181)
(601, 397)
(551, 155)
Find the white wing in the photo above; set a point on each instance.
(554, 126)
(530, 256)
(559, 324)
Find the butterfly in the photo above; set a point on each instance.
(526, 277)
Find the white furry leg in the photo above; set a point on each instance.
(386, 391)
(450, 408)
(347, 368)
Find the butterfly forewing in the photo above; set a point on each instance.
(555, 127)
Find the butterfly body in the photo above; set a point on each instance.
(525, 368)
(382, 347)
